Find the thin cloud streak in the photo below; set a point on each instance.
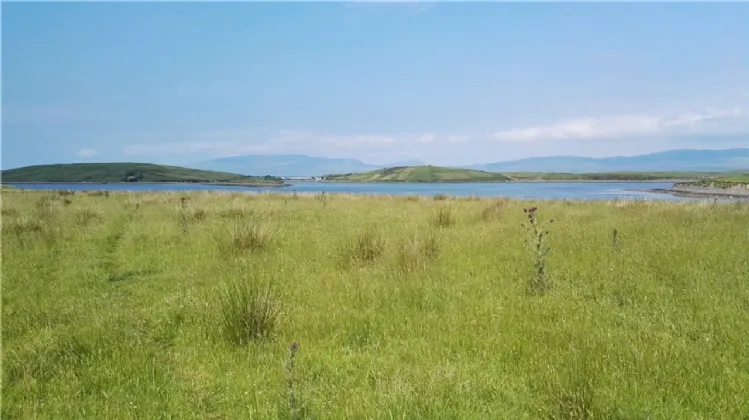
(622, 126)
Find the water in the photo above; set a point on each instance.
(532, 190)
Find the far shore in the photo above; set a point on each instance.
(229, 184)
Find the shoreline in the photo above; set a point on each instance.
(700, 193)
(514, 181)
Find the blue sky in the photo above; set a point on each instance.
(447, 83)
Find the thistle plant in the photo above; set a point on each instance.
(183, 213)
(615, 239)
(293, 348)
(537, 236)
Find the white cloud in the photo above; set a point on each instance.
(623, 126)
(87, 153)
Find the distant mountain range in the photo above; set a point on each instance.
(671, 160)
(668, 161)
(292, 165)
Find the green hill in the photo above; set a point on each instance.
(127, 172)
(419, 174)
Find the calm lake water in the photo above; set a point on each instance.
(533, 190)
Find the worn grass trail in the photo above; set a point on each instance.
(116, 307)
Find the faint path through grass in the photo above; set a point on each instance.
(111, 243)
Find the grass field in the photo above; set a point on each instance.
(738, 178)
(420, 174)
(145, 306)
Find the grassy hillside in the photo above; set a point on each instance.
(125, 172)
(132, 306)
(420, 174)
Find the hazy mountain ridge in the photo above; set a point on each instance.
(292, 165)
(670, 160)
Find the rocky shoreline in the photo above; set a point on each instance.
(705, 192)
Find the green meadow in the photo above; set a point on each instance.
(151, 306)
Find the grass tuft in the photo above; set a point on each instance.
(23, 225)
(415, 253)
(369, 246)
(249, 310)
(445, 217)
(235, 213)
(87, 216)
(494, 210)
(198, 215)
(250, 236)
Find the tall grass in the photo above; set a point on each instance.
(430, 322)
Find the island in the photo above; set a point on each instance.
(126, 172)
(430, 173)
(426, 173)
